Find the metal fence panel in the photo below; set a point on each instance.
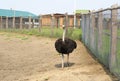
(101, 34)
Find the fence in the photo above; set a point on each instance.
(28, 22)
(18, 22)
(101, 34)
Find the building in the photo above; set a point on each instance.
(58, 20)
(16, 19)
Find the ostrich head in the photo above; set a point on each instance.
(64, 32)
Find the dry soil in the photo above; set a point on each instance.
(29, 58)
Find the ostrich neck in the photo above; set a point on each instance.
(64, 32)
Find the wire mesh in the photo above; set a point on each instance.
(98, 37)
(117, 68)
(106, 37)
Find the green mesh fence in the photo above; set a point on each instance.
(105, 51)
(116, 68)
(97, 37)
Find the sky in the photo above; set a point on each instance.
(56, 6)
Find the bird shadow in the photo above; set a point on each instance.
(65, 65)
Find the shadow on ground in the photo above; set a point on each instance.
(65, 65)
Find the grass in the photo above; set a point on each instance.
(48, 32)
(22, 37)
(13, 35)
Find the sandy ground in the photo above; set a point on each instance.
(28, 58)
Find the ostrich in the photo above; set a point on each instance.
(65, 46)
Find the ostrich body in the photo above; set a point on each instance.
(65, 46)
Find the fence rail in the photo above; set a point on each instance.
(101, 34)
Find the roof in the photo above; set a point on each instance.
(58, 15)
(16, 13)
(54, 14)
(82, 11)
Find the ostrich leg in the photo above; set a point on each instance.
(68, 59)
(62, 61)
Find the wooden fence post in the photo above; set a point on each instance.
(6, 22)
(0, 22)
(100, 29)
(52, 24)
(88, 30)
(87, 24)
(112, 57)
(13, 22)
(40, 23)
(66, 20)
(83, 28)
(93, 31)
(33, 23)
(74, 20)
(66, 23)
(29, 22)
(20, 22)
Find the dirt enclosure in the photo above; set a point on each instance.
(29, 58)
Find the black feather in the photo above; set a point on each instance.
(65, 47)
